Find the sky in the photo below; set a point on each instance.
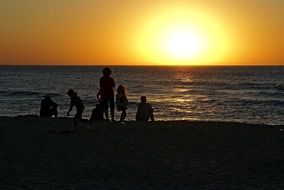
(143, 32)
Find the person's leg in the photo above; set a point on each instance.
(106, 114)
(105, 106)
(111, 101)
(123, 115)
(152, 117)
(91, 120)
(83, 120)
(80, 117)
(75, 120)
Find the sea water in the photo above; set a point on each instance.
(241, 94)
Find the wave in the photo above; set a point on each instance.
(27, 93)
(263, 102)
(3, 92)
(279, 87)
(201, 83)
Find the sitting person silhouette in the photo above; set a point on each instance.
(97, 114)
(48, 107)
(144, 111)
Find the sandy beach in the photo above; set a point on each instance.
(35, 154)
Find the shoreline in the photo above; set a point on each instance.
(139, 155)
(156, 122)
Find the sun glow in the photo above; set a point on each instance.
(182, 43)
(182, 37)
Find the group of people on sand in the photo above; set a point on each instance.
(105, 98)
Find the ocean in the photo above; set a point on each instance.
(239, 94)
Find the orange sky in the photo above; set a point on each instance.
(114, 31)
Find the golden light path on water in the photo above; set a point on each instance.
(186, 102)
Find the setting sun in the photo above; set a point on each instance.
(182, 43)
(183, 37)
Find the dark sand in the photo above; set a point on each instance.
(154, 155)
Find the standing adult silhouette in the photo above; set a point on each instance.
(106, 92)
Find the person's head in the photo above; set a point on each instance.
(107, 71)
(143, 99)
(71, 92)
(47, 97)
(121, 89)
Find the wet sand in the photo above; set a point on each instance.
(35, 154)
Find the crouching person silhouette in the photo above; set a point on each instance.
(144, 111)
(77, 102)
(97, 114)
(48, 107)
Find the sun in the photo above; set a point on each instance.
(182, 37)
(182, 43)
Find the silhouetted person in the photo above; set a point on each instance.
(77, 102)
(106, 92)
(48, 107)
(144, 111)
(97, 114)
(121, 102)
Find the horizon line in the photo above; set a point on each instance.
(148, 65)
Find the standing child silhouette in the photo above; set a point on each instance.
(121, 102)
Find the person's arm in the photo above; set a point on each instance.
(101, 82)
(70, 108)
(136, 115)
(99, 96)
(113, 83)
